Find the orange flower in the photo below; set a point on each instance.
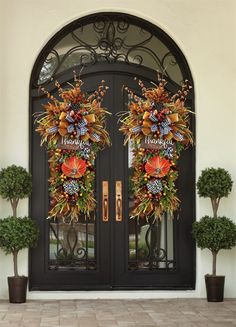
(74, 167)
(157, 167)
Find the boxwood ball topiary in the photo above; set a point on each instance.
(15, 182)
(17, 234)
(215, 233)
(214, 183)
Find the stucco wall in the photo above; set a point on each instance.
(204, 30)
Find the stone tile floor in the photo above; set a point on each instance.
(119, 313)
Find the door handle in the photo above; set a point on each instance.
(105, 201)
(119, 201)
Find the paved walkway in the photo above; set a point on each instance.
(123, 313)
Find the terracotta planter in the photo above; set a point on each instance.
(215, 288)
(17, 287)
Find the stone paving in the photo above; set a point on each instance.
(119, 313)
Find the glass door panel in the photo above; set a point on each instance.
(73, 246)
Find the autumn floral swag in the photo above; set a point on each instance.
(157, 125)
(73, 128)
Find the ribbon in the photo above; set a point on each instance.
(69, 119)
(136, 129)
(178, 136)
(70, 128)
(90, 118)
(169, 152)
(152, 124)
(165, 128)
(95, 137)
(174, 118)
(63, 125)
(52, 130)
(81, 128)
(153, 117)
(154, 186)
(85, 153)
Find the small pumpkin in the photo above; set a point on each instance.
(157, 167)
(74, 167)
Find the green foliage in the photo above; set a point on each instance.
(214, 183)
(214, 233)
(17, 234)
(15, 182)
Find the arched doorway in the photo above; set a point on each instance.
(118, 253)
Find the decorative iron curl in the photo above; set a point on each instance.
(110, 44)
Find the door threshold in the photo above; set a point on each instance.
(103, 295)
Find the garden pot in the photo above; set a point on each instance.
(17, 287)
(215, 288)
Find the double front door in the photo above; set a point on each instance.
(110, 250)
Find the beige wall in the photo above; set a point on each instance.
(204, 30)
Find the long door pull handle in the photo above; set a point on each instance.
(105, 201)
(119, 201)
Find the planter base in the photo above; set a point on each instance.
(215, 288)
(17, 287)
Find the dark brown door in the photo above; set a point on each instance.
(120, 253)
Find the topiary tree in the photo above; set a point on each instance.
(214, 234)
(214, 183)
(17, 234)
(15, 184)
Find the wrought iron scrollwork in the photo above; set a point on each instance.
(153, 254)
(108, 39)
(156, 254)
(70, 251)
